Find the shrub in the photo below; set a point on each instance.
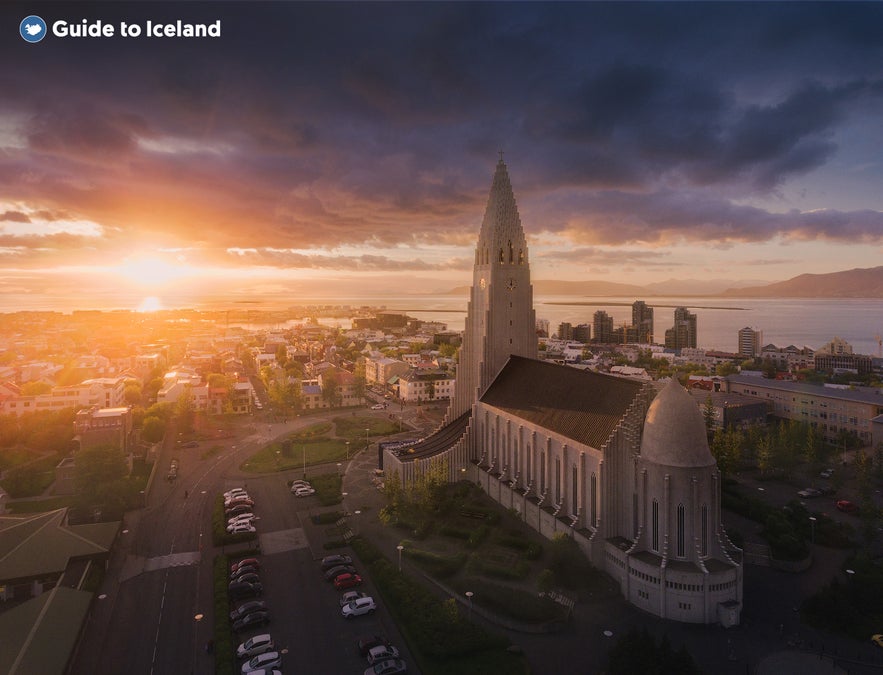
(328, 517)
(456, 532)
(531, 549)
(224, 655)
(479, 534)
(437, 565)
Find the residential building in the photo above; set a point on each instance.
(642, 320)
(750, 342)
(731, 409)
(831, 409)
(683, 333)
(425, 385)
(602, 327)
(788, 358)
(380, 369)
(105, 426)
(837, 356)
(565, 331)
(582, 333)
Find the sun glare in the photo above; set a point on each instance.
(151, 271)
(150, 304)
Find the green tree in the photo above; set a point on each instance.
(97, 475)
(282, 355)
(708, 416)
(726, 368)
(132, 393)
(185, 411)
(430, 390)
(153, 430)
(768, 367)
(764, 454)
(35, 388)
(360, 382)
(331, 388)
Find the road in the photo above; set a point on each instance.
(156, 614)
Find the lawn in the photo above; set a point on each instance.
(278, 457)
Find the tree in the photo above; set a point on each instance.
(768, 367)
(726, 368)
(764, 454)
(153, 430)
(185, 410)
(97, 476)
(331, 388)
(708, 416)
(132, 393)
(35, 388)
(430, 389)
(360, 382)
(282, 355)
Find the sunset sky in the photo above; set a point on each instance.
(321, 149)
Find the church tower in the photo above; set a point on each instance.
(500, 319)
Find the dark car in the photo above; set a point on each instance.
(237, 510)
(242, 571)
(248, 578)
(330, 561)
(241, 589)
(365, 644)
(246, 608)
(336, 571)
(846, 506)
(259, 618)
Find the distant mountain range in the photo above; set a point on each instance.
(856, 283)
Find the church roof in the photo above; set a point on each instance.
(579, 404)
(674, 430)
(501, 221)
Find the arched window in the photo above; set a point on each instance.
(655, 517)
(593, 496)
(574, 491)
(681, 512)
(511, 253)
(634, 515)
(501, 256)
(520, 257)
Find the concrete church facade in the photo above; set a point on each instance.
(624, 470)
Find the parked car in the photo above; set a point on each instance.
(377, 406)
(254, 646)
(237, 510)
(242, 571)
(262, 661)
(236, 501)
(190, 444)
(381, 653)
(304, 492)
(808, 493)
(242, 589)
(387, 667)
(300, 483)
(248, 578)
(241, 528)
(358, 608)
(334, 572)
(827, 473)
(259, 618)
(330, 561)
(241, 518)
(846, 506)
(349, 596)
(251, 562)
(247, 607)
(235, 491)
(347, 581)
(366, 643)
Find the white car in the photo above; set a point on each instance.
(241, 528)
(254, 646)
(381, 653)
(262, 661)
(304, 492)
(235, 492)
(295, 484)
(349, 596)
(378, 406)
(358, 607)
(242, 518)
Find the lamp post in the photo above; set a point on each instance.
(367, 442)
(400, 548)
(812, 526)
(356, 513)
(469, 595)
(347, 451)
(338, 468)
(304, 448)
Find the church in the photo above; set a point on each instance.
(621, 466)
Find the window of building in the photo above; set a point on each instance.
(655, 517)
(704, 543)
(593, 496)
(681, 511)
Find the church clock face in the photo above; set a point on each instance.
(511, 284)
(482, 283)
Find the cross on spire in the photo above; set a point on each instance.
(501, 155)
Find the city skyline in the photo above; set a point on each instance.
(331, 149)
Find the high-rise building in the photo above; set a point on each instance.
(642, 320)
(750, 342)
(582, 333)
(602, 327)
(683, 333)
(565, 331)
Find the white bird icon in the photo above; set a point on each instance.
(33, 28)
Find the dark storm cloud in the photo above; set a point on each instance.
(321, 125)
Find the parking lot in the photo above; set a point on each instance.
(306, 624)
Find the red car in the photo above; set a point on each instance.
(250, 562)
(347, 580)
(846, 506)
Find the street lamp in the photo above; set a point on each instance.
(367, 442)
(338, 468)
(347, 451)
(356, 522)
(812, 525)
(304, 448)
(400, 548)
(469, 595)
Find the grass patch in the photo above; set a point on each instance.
(353, 428)
(41, 505)
(32, 479)
(311, 433)
(514, 602)
(327, 518)
(327, 486)
(441, 566)
(224, 654)
(211, 452)
(282, 457)
(12, 457)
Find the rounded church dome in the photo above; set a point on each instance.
(674, 430)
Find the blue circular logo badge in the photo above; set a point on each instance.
(32, 28)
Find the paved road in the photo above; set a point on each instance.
(160, 576)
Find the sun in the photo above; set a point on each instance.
(150, 304)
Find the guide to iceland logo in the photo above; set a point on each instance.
(32, 28)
